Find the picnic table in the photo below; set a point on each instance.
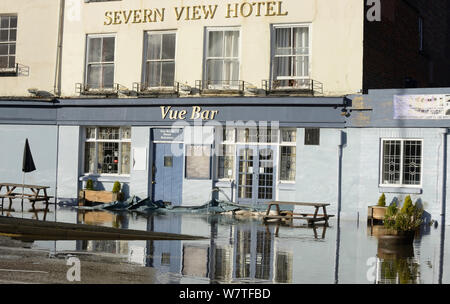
(14, 191)
(311, 218)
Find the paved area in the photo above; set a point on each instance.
(22, 265)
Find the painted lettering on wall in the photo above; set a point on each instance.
(167, 112)
(197, 12)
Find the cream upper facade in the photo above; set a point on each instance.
(157, 43)
(29, 38)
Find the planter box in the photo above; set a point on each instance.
(98, 196)
(376, 213)
(396, 239)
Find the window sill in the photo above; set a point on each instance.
(224, 183)
(9, 74)
(105, 178)
(287, 186)
(400, 189)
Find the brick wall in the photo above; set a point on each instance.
(391, 47)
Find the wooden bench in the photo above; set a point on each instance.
(35, 196)
(311, 218)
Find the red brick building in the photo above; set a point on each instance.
(410, 47)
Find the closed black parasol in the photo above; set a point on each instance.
(28, 163)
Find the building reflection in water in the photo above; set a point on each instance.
(249, 254)
(107, 219)
(397, 265)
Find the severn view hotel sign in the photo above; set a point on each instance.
(197, 12)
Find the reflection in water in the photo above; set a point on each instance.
(397, 265)
(249, 254)
(242, 251)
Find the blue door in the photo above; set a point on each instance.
(167, 173)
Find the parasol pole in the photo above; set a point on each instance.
(23, 187)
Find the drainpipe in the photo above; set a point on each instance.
(339, 202)
(443, 202)
(444, 175)
(57, 81)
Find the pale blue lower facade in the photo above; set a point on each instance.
(344, 169)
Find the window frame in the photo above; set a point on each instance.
(206, 57)
(147, 33)
(96, 142)
(229, 142)
(287, 144)
(87, 63)
(274, 27)
(402, 156)
(186, 156)
(8, 69)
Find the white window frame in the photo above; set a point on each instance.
(273, 56)
(87, 63)
(401, 185)
(287, 144)
(228, 142)
(8, 42)
(206, 58)
(145, 60)
(96, 140)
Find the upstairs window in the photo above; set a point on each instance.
(222, 58)
(8, 36)
(291, 56)
(100, 62)
(160, 60)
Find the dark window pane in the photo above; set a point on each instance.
(4, 22)
(12, 62)
(12, 35)
(4, 49)
(4, 35)
(12, 49)
(108, 76)
(108, 49)
(13, 22)
(168, 74)
(312, 136)
(153, 74)
(168, 46)
(3, 62)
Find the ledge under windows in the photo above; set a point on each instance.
(105, 178)
(400, 190)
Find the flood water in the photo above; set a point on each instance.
(244, 250)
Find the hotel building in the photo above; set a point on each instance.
(272, 100)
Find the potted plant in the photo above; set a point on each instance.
(116, 189)
(402, 224)
(97, 196)
(378, 212)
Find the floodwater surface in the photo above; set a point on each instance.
(244, 250)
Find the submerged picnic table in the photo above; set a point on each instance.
(311, 218)
(14, 191)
